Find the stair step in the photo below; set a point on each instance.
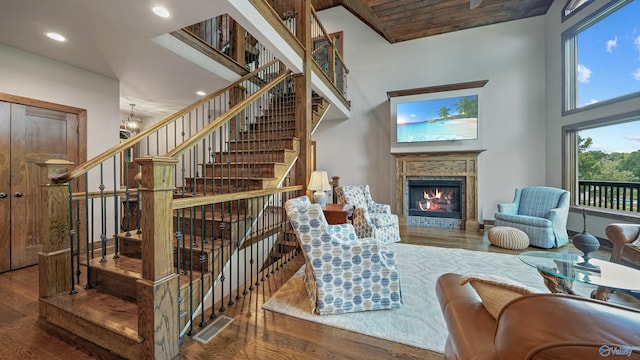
(118, 277)
(253, 169)
(130, 246)
(220, 186)
(266, 134)
(272, 155)
(231, 223)
(273, 122)
(285, 142)
(187, 256)
(100, 318)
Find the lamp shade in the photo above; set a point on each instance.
(319, 181)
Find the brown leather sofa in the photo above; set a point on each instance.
(537, 326)
(621, 236)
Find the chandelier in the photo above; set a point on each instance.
(132, 123)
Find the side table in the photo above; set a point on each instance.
(337, 213)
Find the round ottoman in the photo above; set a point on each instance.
(508, 238)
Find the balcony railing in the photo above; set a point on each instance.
(327, 55)
(220, 34)
(609, 195)
(325, 52)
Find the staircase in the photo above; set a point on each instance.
(260, 155)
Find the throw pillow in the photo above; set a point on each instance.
(495, 291)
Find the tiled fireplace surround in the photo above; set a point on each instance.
(440, 165)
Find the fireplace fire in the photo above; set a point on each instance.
(435, 198)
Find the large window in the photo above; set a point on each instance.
(602, 57)
(609, 166)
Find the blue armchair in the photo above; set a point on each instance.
(370, 219)
(342, 273)
(541, 212)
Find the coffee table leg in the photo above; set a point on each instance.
(556, 284)
(601, 293)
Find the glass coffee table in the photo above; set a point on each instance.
(560, 269)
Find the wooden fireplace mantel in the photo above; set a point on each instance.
(463, 164)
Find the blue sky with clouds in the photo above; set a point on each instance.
(609, 66)
(616, 138)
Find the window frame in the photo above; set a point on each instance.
(570, 178)
(566, 15)
(569, 60)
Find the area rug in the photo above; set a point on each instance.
(418, 321)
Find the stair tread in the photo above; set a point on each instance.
(132, 268)
(267, 163)
(253, 140)
(251, 178)
(253, 150)
(104, 310)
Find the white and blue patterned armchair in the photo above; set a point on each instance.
(370, 219)
(541, 212)
(342, 273)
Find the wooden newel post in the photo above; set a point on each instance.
(303, 97)
(158, 289)
(55, 258)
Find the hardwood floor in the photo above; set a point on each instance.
(254, 333)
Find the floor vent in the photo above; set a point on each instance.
(213, 329)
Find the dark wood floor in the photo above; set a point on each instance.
(254, 333)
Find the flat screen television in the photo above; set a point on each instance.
(439, 119)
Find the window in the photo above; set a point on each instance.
(608, 165)
(602, 57)
(572, 7)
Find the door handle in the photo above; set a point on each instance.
(3, 195)
(18, 194)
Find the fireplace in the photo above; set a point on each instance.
(435, 198)
(423, 179)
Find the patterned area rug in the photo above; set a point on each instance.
(418, 322)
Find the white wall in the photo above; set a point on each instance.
(510, 55)
(32, 76)
(555, 121)
(28, 75)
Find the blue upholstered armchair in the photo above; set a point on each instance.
(541, 212)
(342, 273)
(370, 219)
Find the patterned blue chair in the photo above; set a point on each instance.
(342, 273)
(541, 212)
(370, 219)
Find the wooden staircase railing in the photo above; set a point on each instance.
(200, 202)
(187, 214)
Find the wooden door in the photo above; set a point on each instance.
(5, 187)
(36, 135)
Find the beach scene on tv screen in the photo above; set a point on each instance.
(454, 118)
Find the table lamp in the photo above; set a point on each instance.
(319, 183)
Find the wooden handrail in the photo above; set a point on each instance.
(214, 199)
(90, 164)
(344, 65)
(202, 133)
(319, 48)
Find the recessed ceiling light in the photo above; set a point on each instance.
(56, 36)
(201, 93)
(161, 11)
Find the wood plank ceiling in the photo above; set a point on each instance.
(401, 20)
